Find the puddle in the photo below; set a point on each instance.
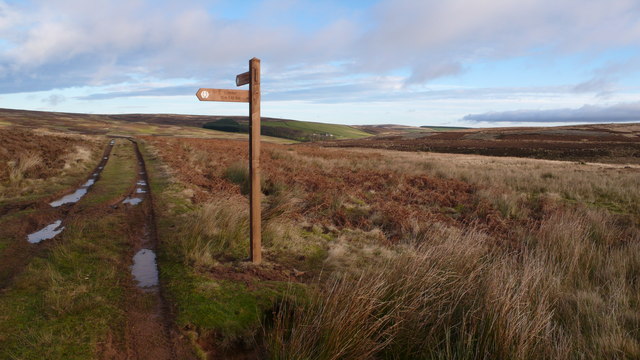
(48, 232)
(106, 157)
(144, 269)
(112, 142)
(71, 198)
(140, 191)
(142, 183)
(79, 193)
(132, 201)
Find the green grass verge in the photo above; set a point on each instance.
(229, 311)
(67, 301)
(119, 174)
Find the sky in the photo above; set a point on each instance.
(412, 62)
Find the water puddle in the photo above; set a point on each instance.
(71, 198)
(48, 232)
(144, 268)
(80, 192)
(132, 201)
(142, 183)
(140, 191)
(112, 142)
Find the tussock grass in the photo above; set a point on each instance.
(219, 228)
(571, 292)
(45, 164)
(18, 168)
(436, 256)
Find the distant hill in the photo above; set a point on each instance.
(618, 143)
(290, 129)
(444, 128)
(165, 124)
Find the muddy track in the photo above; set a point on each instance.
(19, 252)
(150, 331)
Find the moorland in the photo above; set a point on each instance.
(515, 243)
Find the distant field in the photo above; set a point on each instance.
(443, 128)
(338, 131)
(368, 253)
(617, 143)
(119, 125)
(290, 129)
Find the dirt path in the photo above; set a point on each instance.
(21, 219)
(150, 331)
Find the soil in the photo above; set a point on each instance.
(150, 332)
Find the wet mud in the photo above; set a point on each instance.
(150, 331)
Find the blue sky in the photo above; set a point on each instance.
(413, 62)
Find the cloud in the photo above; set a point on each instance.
(180, 90)
(53, 44)
(54, 99)
(625, 112)
(429, 35)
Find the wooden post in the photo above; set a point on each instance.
(251, 77)
(255, 237)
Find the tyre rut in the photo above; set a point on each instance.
(150, 331)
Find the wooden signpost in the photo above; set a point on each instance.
(252, 96)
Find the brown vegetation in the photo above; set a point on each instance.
(428, 255)
(29, 155)
(618, 143)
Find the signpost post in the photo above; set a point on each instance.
(252, 96)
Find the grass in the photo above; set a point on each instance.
(443, 128)
(114, 125)
(427, 256)
(338, 131)
(120, 171)
(64, 305)
(44, 167)
(196, 239)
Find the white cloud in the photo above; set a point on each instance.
(184, 39)
(341, 58)
(625, 112)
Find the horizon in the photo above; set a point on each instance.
(414, 63)
(541, 125)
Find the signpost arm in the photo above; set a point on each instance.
(254, 161)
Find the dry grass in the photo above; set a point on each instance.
(438, 256)
(39, 163)
(18, 169)
(568, 294)
(218, 228)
